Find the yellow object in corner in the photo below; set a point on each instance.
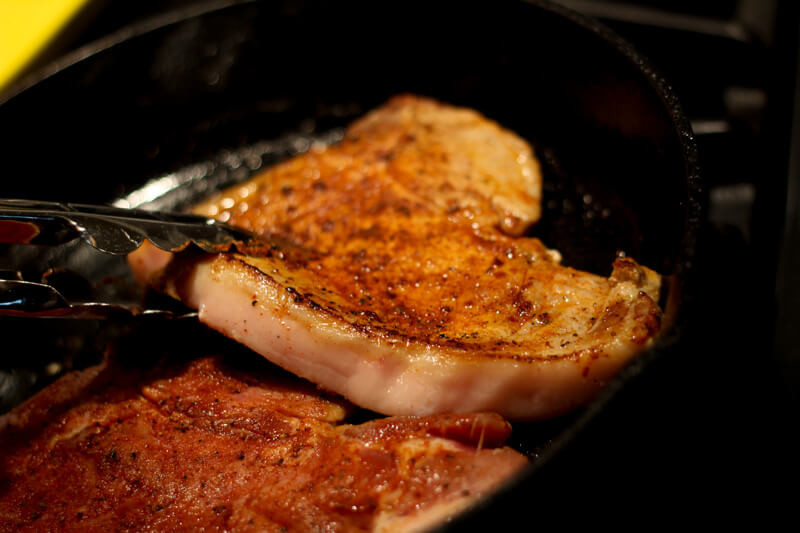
(26, 27)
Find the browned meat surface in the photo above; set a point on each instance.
(412, 292)
(201, 446)
(412, 156)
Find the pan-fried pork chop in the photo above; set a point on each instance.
(202, 446)
(397, 277)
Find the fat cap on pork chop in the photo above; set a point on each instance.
(406, 287)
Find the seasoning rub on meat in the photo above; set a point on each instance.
(400, 278)
(200, 445)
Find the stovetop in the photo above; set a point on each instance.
(733, 65)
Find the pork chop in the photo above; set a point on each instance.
(203, 446)
(397, 276)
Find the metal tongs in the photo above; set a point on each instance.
(111, 230)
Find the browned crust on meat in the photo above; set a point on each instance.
(411, 156)
(408, 262)
(407, 247)
(609, 316)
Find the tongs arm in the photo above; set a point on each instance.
(28, 298)
(111, 230)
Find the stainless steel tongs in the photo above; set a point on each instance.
(111, 230)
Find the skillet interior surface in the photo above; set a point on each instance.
(210, 99)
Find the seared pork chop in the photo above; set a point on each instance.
(404, 286)
(203, 446)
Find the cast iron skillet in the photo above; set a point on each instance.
(211, 93)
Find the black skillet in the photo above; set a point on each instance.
(209, 94)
